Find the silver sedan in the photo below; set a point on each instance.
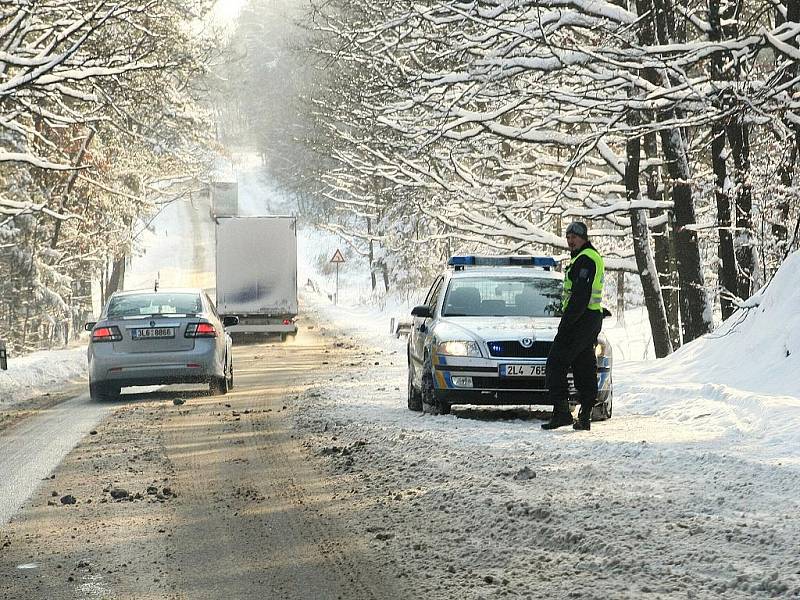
(159, 337)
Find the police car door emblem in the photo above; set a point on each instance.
(526, 342)
(152, 323)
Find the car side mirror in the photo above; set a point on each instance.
(230, 320)
(89, 326)
(422, 311)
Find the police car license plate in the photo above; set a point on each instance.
(153, 332)
(522, 370)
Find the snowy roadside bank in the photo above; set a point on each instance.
(656, 502)
(40, 372)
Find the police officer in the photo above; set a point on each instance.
(580, 325)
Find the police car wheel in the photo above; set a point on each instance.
(603, 411)
(431, 402)
(414, 395)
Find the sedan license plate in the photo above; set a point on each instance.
(522, 370)
(153, 332)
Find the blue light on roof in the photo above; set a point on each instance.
(473, 260)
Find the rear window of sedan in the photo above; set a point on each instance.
(133, 305)
(503, 297)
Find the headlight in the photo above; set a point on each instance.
(459, 348)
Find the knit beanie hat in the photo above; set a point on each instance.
(578, 229)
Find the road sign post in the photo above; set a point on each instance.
(337, 259)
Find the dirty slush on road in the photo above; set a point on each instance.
(214, 497)
(311, 480)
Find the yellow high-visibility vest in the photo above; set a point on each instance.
(596, 300)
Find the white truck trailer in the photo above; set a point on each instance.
(257, 273)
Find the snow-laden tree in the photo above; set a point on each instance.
(498, 120)
(98, 118)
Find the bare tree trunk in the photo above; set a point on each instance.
(695, 311)
(725, 251)
(727, 258)
(780, 230)
(117, 279)
(73, 177)
(656, 22)
(371, 255)
(385, 276)
(663, 243)
(739, 139)
(644, 257)
(621, 298)
(665, 239)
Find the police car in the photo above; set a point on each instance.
(483, 336)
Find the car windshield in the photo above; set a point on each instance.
(154, 303)
(503, 297)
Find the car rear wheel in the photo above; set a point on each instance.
(218, 386)
(414, 395)
(432, 403)
(103, 392)
(230, 376)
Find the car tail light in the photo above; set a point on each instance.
(106, 334)
(287, 321)
(195, 330)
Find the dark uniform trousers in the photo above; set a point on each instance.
(574, 347)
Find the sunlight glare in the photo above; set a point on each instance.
(227, 11)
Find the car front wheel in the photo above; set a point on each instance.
(414, 395)
(432, 403)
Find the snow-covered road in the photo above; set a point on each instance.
(689, 491)
(683, 493)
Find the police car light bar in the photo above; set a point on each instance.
(473, 260)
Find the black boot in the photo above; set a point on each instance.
(584, 422)
(559, 419)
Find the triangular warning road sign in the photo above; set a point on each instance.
(337, 257)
